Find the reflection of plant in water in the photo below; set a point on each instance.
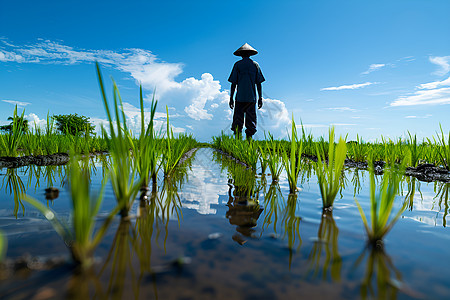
(120, 256)
(442, 190)
(272, 206)
(79, 286)
(356, 180)
(243, 206)
(3, 245)
(291, 224)
(79, 235)
(379, 271)
(14, 185)
(409, 198)
(327, 240)
(381, 205)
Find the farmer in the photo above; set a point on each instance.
(246, 75)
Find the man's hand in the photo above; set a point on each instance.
(231, 103)
(259, 103)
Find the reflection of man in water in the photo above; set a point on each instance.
(245, 75)
(243, 211)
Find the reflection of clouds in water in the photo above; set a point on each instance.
(427, 210)
(206, 183)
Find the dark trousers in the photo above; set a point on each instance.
(247, 111)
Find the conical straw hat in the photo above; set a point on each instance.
(245, 50)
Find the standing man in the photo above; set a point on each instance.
(246, 76)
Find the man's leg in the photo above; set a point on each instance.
(250, 119)
(238, 118)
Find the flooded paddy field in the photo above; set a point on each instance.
(215, 230)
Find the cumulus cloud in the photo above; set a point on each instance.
(273, 116)
(443, 62)
(34, 119)
(18, 103)
(201, 91)
(142, 65)
(348, 87)
(373, 67)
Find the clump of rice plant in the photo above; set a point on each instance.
(145, 150)
(79, 235)
(123, 170)
(246, 151)
(415, 149)
(174, 148)
(381, 204)
(329, 174)
(444, 148)
(274, 160)
(358, 150)
(10, 142)
(292, 162)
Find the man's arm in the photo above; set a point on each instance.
(259, 88)
(233, 89)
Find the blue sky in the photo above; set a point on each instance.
(368, 67)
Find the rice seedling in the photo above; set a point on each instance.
(174, 150)
(263, 160)
(414, 149)
(330, 175)
(274, 159)
(145, 148)
(292, 162)
(444, 148)
(79, 235)
(244, 151)
(382, 204)
(358, 150)
(10, 142)
(123, 170)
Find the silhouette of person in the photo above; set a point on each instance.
(245, 76)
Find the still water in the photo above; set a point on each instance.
(215, 230)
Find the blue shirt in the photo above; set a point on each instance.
(246, 74)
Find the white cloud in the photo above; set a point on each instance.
(197, 98)
(273, 116)
(348, 87)
(373, 67)
(312, 126)
(443, 62)
(434, 84)
(342, 124)
(342, 109)
(201, 91)
(34, 119)
(18, 103)
(424, 97)
(416, 117)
